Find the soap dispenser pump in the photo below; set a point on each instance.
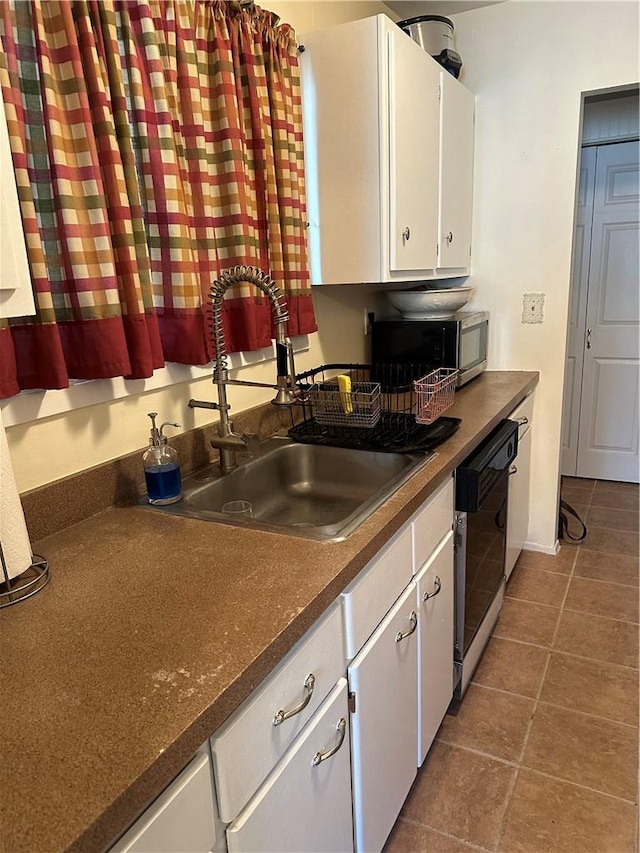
(161, 466)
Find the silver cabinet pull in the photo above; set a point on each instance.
(513, 470)
(588, 338)
(406, 235)
(341, 728)
(413, 618)
(282, 715)
(450, 238)
(522, 421)
(437, 586)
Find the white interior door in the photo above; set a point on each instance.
(578, 311)
(609, 407)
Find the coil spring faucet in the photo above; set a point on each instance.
(228, 442)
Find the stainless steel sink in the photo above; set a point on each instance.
(304, 490)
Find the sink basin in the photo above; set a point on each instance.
(305, 490)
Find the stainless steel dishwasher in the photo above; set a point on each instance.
(482, 496)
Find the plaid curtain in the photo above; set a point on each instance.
(155, 144)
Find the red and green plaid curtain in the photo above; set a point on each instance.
(155, 144)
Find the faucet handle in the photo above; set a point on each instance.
(252, 441)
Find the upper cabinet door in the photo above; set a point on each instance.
(457, 126)
(16, 294)
(413, 147)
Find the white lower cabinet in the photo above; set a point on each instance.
(312, 761)
(519, 479)
(384, 725)
(305, 804)
(250, 743)
(434, 588)
(181, 819)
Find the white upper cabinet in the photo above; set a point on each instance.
(16, 295)
(413, 150)
(380, 190)
(457, 124)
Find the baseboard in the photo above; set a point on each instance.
(542, 549)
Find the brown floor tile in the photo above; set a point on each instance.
(578, 483)
(612, 541)
(602, 567)
(617, 487)
(461, 794)
(597, 638)
(528, 584)
(577, 497)
(414, 838)
(511, 666)
(530, 623)
(489, 721)
(614, 519)
(601, 689)
(585, 750)
(602, 599)
(548, 816)
(615, 497)
(561, 563)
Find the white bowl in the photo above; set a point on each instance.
(429, 304)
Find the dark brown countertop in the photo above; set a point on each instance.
(151, 632)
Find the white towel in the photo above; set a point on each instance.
(14, 537)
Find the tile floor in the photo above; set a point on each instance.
(542, 756)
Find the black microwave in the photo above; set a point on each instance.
(424, 345)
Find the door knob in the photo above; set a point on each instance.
(406, 235)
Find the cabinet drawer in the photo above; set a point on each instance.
(366, 600)
(523, 414)
(248, 746)
(302, 805)
(431, 523)
(181, 820)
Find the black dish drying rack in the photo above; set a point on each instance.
(394, 431)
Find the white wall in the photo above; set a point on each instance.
(529, 63)
(52, 447)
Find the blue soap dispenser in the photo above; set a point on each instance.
(161, 467)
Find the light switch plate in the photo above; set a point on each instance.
(533, 307)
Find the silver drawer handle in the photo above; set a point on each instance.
(513, 470)
(437, 586)
(414, 624)
(283, 715)
(341, 728)
(522, 421)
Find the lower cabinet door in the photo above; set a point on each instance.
(384, 724)
(182, 818)
(435, 642)
(305, 804)
(518, 512)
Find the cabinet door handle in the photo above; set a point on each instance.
(341, 728)
(282, 715)
(522, 421)
(588, 338)
(450, 238)
(402, 635)
(406, 235)
(513, 470)
(437, 586)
